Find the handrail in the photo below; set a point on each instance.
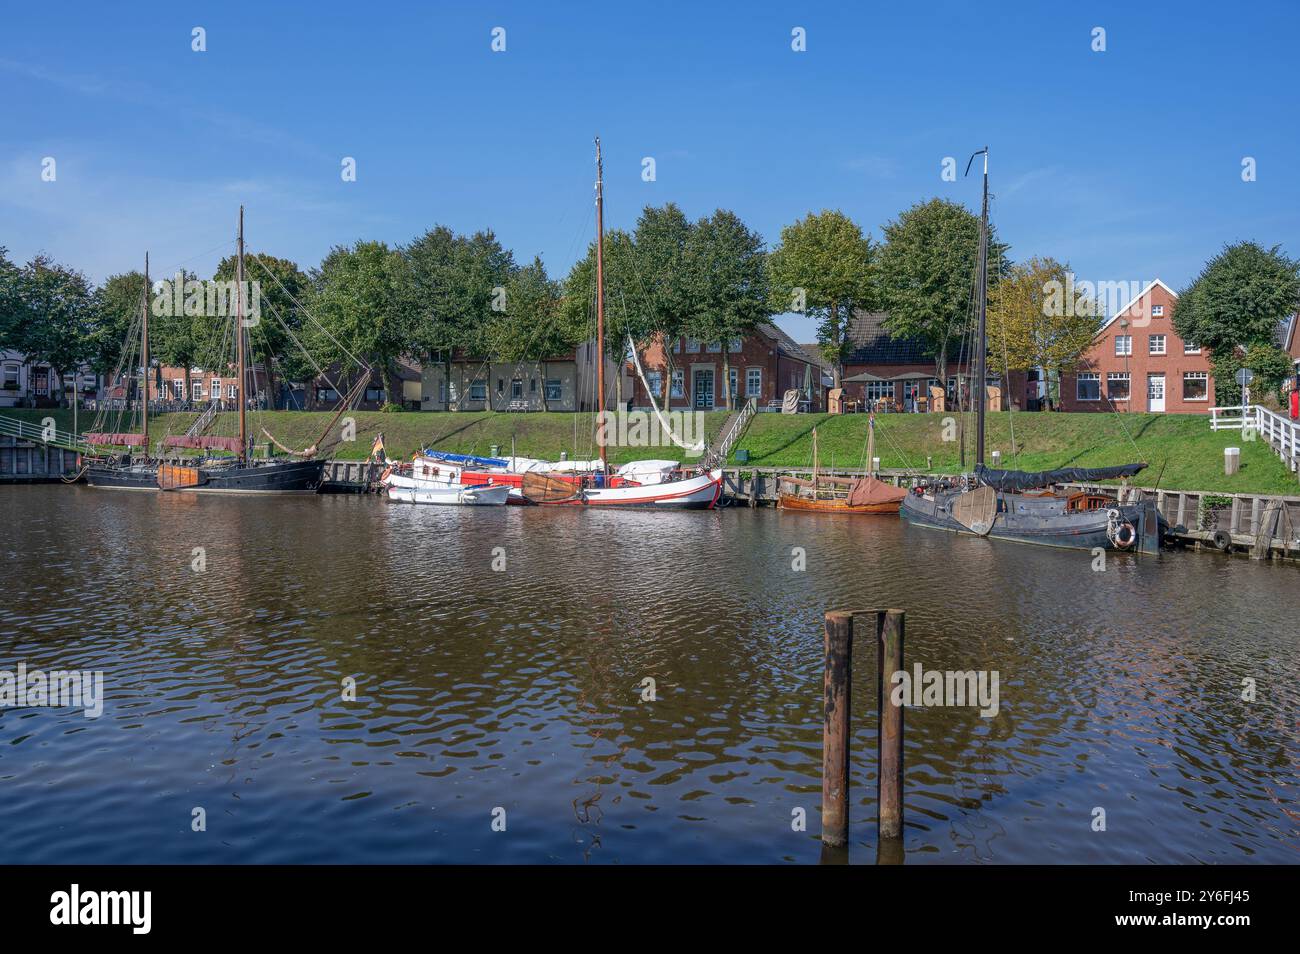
(37, 434)
(729, 438)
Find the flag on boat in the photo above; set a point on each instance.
(377, 448)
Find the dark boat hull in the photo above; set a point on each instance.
(1040, 520)
(276, 477)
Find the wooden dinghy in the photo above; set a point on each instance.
(840, 495)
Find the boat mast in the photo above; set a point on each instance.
(239, 336)
(144, 355)
(600, 302)
(982, 345)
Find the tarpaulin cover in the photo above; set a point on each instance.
(1011, 481)
(868, 490)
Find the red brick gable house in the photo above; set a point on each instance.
(763, 366)
(1137, 362)
(892, 372)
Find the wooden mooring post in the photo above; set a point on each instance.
(837, 686)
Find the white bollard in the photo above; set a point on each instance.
(997, 458)
(1231, 460)
(875, 464)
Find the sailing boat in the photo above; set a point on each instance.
(654, 487)
(1024, 507)
(240, 474)
(829, 494)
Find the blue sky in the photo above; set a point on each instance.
(1126, 163)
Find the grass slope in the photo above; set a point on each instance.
(1192, 454)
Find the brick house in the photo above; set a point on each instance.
(324, 392)
(187, 387)
(763, 366)
(1137, 362)
(562, 382)
(895, 372)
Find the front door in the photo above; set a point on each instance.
(1155, 392)
(704, 389)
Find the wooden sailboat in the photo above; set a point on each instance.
(1024, 507)
(299, 472)
(845, 495)
(676, 490)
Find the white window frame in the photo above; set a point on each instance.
(1151, 345)
(554, 389)
(879, 390)
(1191, 348)
(1157, 311)
(753, 382)
(1123, 345)
(733, 382)
(478, 390)
(737, 345)
(1124, 376)
(692, 345)
(656, 381)
(1093, 376)
(1197, 376)
(679, 382)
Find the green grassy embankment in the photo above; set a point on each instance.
(1191, 454)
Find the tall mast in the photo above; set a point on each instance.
(982, 293)
(239, 336)
(144, 355)
(600, 301)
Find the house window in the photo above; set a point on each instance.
(532, 385)
(178, 388)
(692, 345)
(478, 391)
(501, 385)
(734, 376)
(1123, 344)
(1157, 311)
(715, 347)
(216, 387)
(11, 377)
(879, 389)
(679, 383)
(325, 395)
(1117, 385)
(196, 388)
(1191, 348)
(1196, 386)
(375, 395)
(656, 381)
(554, 389)
(1156, 344)
(1089, 386)
(516, 389)
(754, 382)
(678, 349)
(736, 345)
(230, 391)
(41, 381)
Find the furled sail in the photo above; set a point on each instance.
(1013, 481)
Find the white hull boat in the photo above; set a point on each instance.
(455, 495)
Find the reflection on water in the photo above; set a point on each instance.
(520, 689)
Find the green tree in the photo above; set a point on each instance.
(278, 336)
(823, 267)
(1031, 324)
(727, 273)
(927, 274)
(11, 302)
(360, 296)
(532, 326)
(625, 316)
(183, 337)
(117, 311)
(57, 315)
(452, 281)
(1233, 307)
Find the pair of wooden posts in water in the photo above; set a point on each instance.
(888, 632)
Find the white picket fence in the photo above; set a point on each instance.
(1282, 433)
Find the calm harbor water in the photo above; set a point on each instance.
(519, 688)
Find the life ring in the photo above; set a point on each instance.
(1125, 536)
(1222, 540)
(384, 476)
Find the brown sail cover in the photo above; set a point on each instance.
(116, 440)
(867, 491)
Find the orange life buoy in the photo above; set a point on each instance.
(1125, 536)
